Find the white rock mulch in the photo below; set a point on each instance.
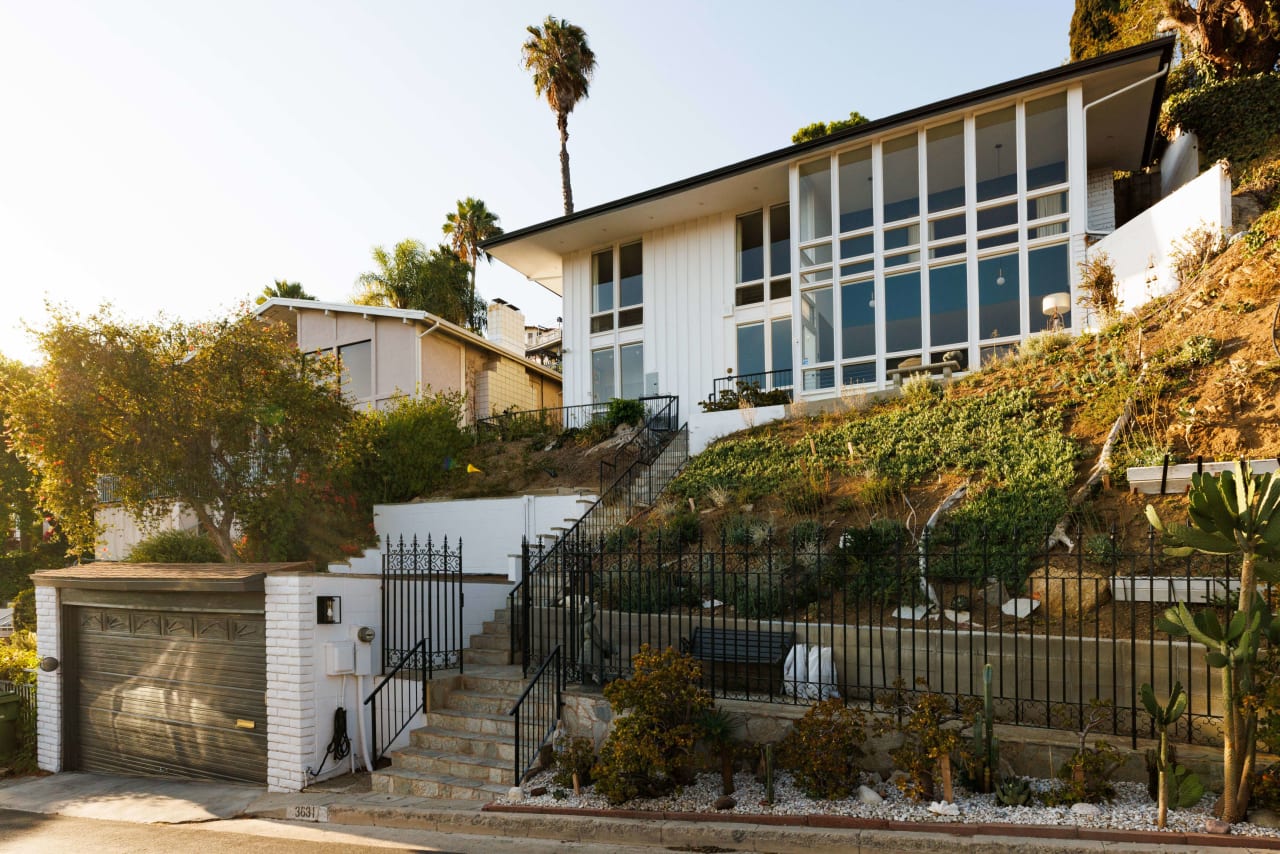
(1132, 809)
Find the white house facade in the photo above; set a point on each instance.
(946, 234)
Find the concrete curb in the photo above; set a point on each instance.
(781, 834)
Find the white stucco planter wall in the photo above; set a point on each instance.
(490, 529)
(706, 427)
(1142, 248)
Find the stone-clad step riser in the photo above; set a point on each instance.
(472, 723)
(488, 746)
(485, 703)
(451, 766)
(499, 643)
(486, 656)
(391, 784)
(508, 686)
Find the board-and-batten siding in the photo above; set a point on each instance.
(687, 285)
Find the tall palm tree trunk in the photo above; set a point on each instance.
(562, 122)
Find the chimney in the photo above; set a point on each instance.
(506, 326)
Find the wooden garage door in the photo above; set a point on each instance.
(170, 693)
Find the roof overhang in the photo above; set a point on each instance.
(1120, 134)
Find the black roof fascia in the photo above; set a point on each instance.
(1162, 45)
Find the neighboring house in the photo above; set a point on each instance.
(389, 352)
(943, 233)
(542, 344)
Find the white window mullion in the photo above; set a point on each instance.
(877, 225)
(1024, 286)
(971, 236)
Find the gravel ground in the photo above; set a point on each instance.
(1132, 809)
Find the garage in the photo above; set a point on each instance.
(164, 669)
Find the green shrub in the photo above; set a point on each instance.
(407, 451)
(643, 591)
(743, 531)
(24, 610)
(620, 539)
(1236, 119)
(657, 714)
(877, 565)
(1101, 548)
(620, 411)
(17, 656)
(932, 745)
(575, 756)
(824, 748)
(755, 595)
(745, 395)
(682, 528)
(921, 390)
(1198, 351)
(175, 547)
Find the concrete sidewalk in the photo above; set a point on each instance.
(348, 804)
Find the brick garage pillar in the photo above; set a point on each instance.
(49, 685)
(291, 732)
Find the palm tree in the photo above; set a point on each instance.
(562, 66)
(284, 290)
(414, 277)
(467, 227)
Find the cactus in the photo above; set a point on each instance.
(1013, 792)
(1163, 716)
(986, 747)
(1185, 788)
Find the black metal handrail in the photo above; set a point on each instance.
(534, 728)
(780, 380)
(555, 417)
(391, 714)
(643, 479)
(648, 440)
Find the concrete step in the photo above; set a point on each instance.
(496, 627)
(508, 681)
(480, 701)
(486, 656)
(424, 784)
(491, 642)
(491, 745)
(440, 763)
(480, 723)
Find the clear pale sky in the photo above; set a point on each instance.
(177, 157)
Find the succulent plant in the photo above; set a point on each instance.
(1013, 792)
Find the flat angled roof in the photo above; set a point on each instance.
(203, 577)
(536, 250)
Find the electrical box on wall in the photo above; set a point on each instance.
(339, 659)
(364, 659)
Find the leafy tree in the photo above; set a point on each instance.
(413, 277)
(1238, 38)
(1102, 26)
(284, 290)
(1234, 513)
(562, 65)
(467, 227)
(817, 130)
(18, 512)
(225, 417)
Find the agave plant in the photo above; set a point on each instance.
(1234, 513)
(1013, 792)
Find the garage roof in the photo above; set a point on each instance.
(180, 577)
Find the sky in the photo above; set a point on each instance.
(176, 158)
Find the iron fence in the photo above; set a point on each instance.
(422, 602)
(421, 631)
(780, 380)
(870, 619)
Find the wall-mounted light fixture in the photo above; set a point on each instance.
(328, 610)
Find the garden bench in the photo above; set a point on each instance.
(905, 370)
(742, 651)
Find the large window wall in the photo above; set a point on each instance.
(762, 297)
(617, 317)
(944, 243)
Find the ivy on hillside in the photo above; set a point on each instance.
(1012, 447)
(1236, 119)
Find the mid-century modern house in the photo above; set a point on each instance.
(388, 352)
(945, 234)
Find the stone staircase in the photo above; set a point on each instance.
(466, 749)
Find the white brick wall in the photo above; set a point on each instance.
(49, 685)
(1102, 201)
(291, 728)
